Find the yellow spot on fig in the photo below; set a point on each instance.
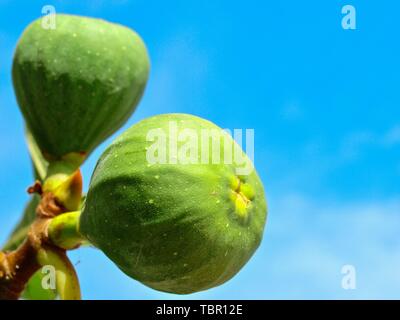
(247, 190)
(242, 194)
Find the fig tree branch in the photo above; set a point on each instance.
(53, 231)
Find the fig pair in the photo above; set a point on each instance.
(176, 227)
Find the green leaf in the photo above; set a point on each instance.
(40, 164)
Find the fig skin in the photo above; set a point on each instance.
(78, 83)
(178, 228)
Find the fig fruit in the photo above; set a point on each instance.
(78, 83)
(180, 226)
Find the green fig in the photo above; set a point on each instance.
(180, 226)
(34, 289)
(78, 83)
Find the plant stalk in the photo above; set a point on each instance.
(54, 230)
(16, 268)
(63, 231)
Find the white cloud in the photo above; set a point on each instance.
(177, 77)
(306, 243)
(392, 137)
(292, 111)
(355, 142)
(319, 237)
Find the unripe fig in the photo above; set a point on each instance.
(78, 83)
(34, 288)
(177, 227)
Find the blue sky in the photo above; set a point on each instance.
(324, 104)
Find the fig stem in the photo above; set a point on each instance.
(63, 231)
(39, 163)
(46, 244)
(47, 241)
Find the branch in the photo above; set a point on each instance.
(16, 268)
(60, 193)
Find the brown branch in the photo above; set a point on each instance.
(16, 268)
